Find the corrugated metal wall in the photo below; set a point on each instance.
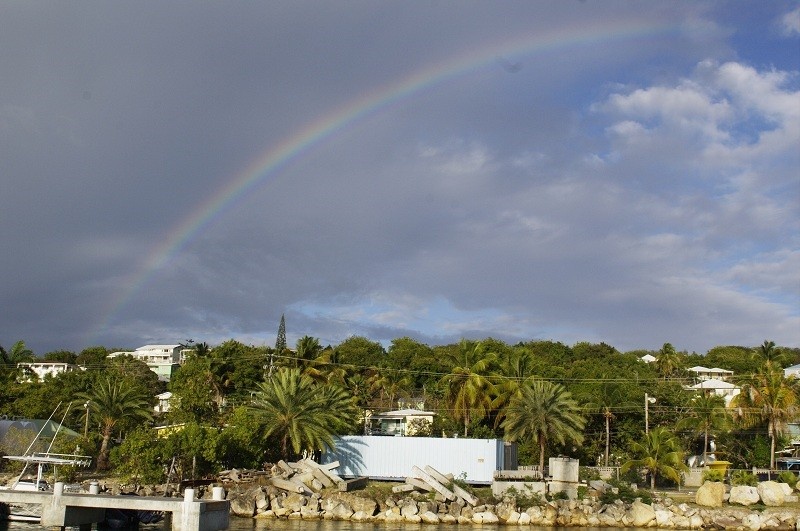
(393, 457)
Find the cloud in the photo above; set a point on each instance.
(790, 22)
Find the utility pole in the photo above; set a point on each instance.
(647, 401)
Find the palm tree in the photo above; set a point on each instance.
(668, 360)
(304, 415)
(307, 349)
(707, 414)
(604, 398)
(767, 397)
(659, 453)
(391, 383)
(770, 355)
(515, 371)
(545, 412)
(468, 390)
(116, 403)
(9, 361)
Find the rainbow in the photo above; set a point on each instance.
(269, 163)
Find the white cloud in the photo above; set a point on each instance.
(790, 22)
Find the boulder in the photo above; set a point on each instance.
(710, 494)
(752, 521)
(744, 495)
(641, 514)
(341, 511)
(771, 493)
(294, 502)
(429, 517)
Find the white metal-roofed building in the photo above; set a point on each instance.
(161, 359)
(726, 390)
(704, 373)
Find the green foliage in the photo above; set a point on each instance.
(714, 475)
(624, 493)
(741, 478)
(241, 442)
(787, 477)
(659, 453)
(303, 414)
(544, 412)
(359, 353)
(468, 388)
(140, 457)
(524, 497)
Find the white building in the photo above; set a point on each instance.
(400, 423)
(161, 359)
(721, 388)
(792, 372)
(704, 373)
(163, 402)
(45, 368)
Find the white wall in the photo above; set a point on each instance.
(391, 458)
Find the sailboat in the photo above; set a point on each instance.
(41, 460)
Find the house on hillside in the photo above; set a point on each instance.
(792, 372)
(648, 358)
(45, 368)
(721, 388)
(399, 423)
(704, 373)
(163, 403)
(161, 359)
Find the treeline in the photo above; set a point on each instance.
(240, 406)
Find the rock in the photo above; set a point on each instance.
(743, 495)
(342, 511)
(429, 517)
(244, 503)
(710, 494)
(599, 485)
(485, 517)
(294, 502)
(787, 489)
(752, 521)
(408, 508)
(524, 519)
(771, 493)
(664, 518)
(641, 514)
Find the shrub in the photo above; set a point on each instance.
(524, 499)
(741, 478)
(624, 493)
(787, 477)
(714, 475)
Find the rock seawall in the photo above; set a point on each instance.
(269, 502)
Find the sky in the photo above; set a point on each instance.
(616, 171)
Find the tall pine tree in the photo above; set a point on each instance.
(280, 344)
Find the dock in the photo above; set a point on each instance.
(62, 510)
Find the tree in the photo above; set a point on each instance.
(301, 413)
(668, 360)
(360, 354)
(544, 412)
(116, 404)
(468, 389)
(392, 383)
(769, 355)
(307, 350)
(767, 397)
(10, 360)
(516, 370)
(659, 453)
(61, 356)
(280, 339)
(707, 414)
